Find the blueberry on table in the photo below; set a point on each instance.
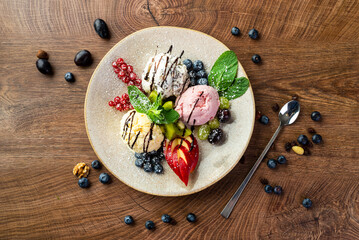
(148, 167)
(96, 164)
(264, 119)
(197, 65)
(281, 159)
(158, 168)
(69, 77)
(150, 225)
(307, 203)
(253, 33)
(128, 220)
(317, 138)
(104, 178)
(271, 163)
(235, 31)
(44, 66)
(202, 81)
(83, 182)
(139, 162)
(224, 115)
(166, 218)
(316, 116)
(277, 190)
(256, 58)
(215, 136)
(188, 63)
(302, 139)
(268, 188)
(191, 217)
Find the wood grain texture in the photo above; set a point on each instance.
(308, 47)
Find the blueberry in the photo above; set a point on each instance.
(302, 139)
(256, 58)
(202, 81)
(139, 162)
(235, 31)
(191, 217)
(253, 33)
(138, 155)
(96, 164)
(104, 178)
(197, 65)
(147, 158)
(201, 74)
(307, 203)
(150, 225)
(316, 116)
(193, 81)
(153, 153)
(148, 167)
(264, 120)
(101, 28)
(224, 115)
(166, 218)
(277, 190)
(215, 136)
(192, 74)
(158, 168)
(128, 220)
(83, 182)
(44, 66)
(161, 156)
(317, 138)
(188, 63)
(271, 163)
(155, 160)
(281, 159)
(83, 58)
(268, 189)
(69, 77)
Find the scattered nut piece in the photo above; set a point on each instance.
(81, 170)
(42, 54)
(258, 115)
(298, 150)
(288, 146)
(306, 152)
(311, 130)
(275, 107)
(264, 181)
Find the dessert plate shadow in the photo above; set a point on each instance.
(103, 122)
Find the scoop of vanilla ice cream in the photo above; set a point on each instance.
(139, 133)
(166, 74)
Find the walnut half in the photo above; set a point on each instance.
(81, 170)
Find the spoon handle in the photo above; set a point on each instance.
(232, 202)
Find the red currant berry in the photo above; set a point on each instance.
(124, 66)
(126, 79)
(119, 107)
(117, 100)
(123, 101)
(111, 103)
(138, 81)
(114, 64)
(133, 76)
(125, 96)
(130, 83)
(129, 68)
(120, 61)
(121, 73)
(116, 70)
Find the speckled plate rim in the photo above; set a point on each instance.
(172, 195)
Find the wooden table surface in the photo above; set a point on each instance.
(309, 48)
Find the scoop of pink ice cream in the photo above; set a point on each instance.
(198, 104)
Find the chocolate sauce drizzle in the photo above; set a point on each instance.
(129, 120)
(149, 135)
(190, 115)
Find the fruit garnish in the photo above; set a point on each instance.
(182, 156)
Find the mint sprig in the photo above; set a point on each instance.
(223, 76)
(154, 111)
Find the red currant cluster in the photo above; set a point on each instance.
(121, 103)
(125, 73)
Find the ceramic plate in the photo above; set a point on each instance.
(103, 122)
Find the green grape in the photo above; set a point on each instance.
(223, 103)
(214, 123)
(204, 131)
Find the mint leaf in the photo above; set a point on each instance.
(223, 71)
(237, 89)
(138, 100)
(171, 115)
(157, 102)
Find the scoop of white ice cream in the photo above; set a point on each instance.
(165, 74)
(139, 133)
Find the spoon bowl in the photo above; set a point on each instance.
(289, 113)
